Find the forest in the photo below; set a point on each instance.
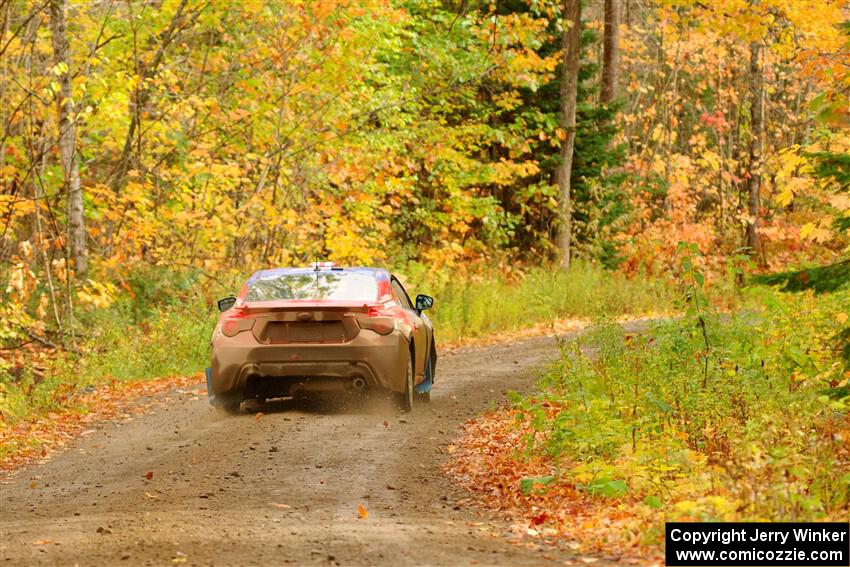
(527, 161)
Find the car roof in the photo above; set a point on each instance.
(378, 273)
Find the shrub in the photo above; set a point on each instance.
(740, 416)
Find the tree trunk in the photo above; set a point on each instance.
(756, 126)
(611, 52)
(571, 44)
(68, 140)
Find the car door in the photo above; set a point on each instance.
(421, 332)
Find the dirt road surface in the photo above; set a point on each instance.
(283, 488)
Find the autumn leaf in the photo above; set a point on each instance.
(362, 513)
(149, 475)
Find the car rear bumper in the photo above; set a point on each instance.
(242, 367)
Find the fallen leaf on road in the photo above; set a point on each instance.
(259, 415)
(588, 559)
(280, 506)
(153, 496)
(41, 542)
(149, 475)
(362, 513)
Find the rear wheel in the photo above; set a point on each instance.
(404, 400)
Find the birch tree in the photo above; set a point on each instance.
(67, 138)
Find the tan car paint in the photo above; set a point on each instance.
(307, 347)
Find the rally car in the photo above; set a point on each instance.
(294, 332)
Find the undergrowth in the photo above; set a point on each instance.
(480, 306)
(742, 416)
(160, 326)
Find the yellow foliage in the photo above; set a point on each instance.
(97, 294)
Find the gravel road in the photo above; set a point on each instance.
(280, 488)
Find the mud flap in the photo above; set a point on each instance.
(424, 386)
(210, 395)
(214, 401)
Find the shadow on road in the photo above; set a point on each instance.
(371, 403)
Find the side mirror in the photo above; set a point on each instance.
(226, 303)
(424, 302)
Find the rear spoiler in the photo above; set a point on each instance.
(304, 305)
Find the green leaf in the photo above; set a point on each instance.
(653, 501)
(606, 487)
(528, 484)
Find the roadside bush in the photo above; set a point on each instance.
(160, 325)
(742, 416)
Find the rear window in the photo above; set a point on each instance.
(337, 286)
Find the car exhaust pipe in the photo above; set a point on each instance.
(358, 384)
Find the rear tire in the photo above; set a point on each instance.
(404, 400)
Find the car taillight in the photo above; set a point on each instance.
(381, 325)
(232, 327)
(384, 309)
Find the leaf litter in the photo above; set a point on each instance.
(541, 506)
(40, 436)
